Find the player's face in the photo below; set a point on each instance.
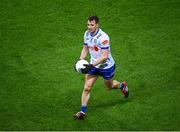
(92, 26)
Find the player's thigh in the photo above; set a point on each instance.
(90, 80)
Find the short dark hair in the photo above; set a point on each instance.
(93, 18)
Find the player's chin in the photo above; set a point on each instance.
(90, 30)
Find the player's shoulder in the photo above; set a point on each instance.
(86, 33)
(103, 34)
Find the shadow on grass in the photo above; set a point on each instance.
(111, 103)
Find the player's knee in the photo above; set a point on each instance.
(87, 88)
(108, 84)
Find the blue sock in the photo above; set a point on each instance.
(83, 108)
(121, 86)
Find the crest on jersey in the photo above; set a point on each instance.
(95, 41)
(99, 36)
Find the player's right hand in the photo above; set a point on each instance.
(87, 68)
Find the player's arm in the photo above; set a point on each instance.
(84, 52)
(103, 57)
(105, 51)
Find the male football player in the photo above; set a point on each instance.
(96, 43)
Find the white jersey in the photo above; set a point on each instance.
(96, 44)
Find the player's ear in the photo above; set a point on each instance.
(97, 25)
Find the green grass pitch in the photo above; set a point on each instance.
(41, 39)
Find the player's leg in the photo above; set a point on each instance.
(89, 81)
(108, 75)
(114, 84)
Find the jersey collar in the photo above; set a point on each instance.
(94, 34)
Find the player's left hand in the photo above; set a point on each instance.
(87, 68)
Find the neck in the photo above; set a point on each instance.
(93, 33)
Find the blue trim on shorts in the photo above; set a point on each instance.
(105, 73)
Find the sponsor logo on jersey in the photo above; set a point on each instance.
(105, 42)
(94, 48)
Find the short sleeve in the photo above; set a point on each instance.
(86, 34)
(104, 42)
